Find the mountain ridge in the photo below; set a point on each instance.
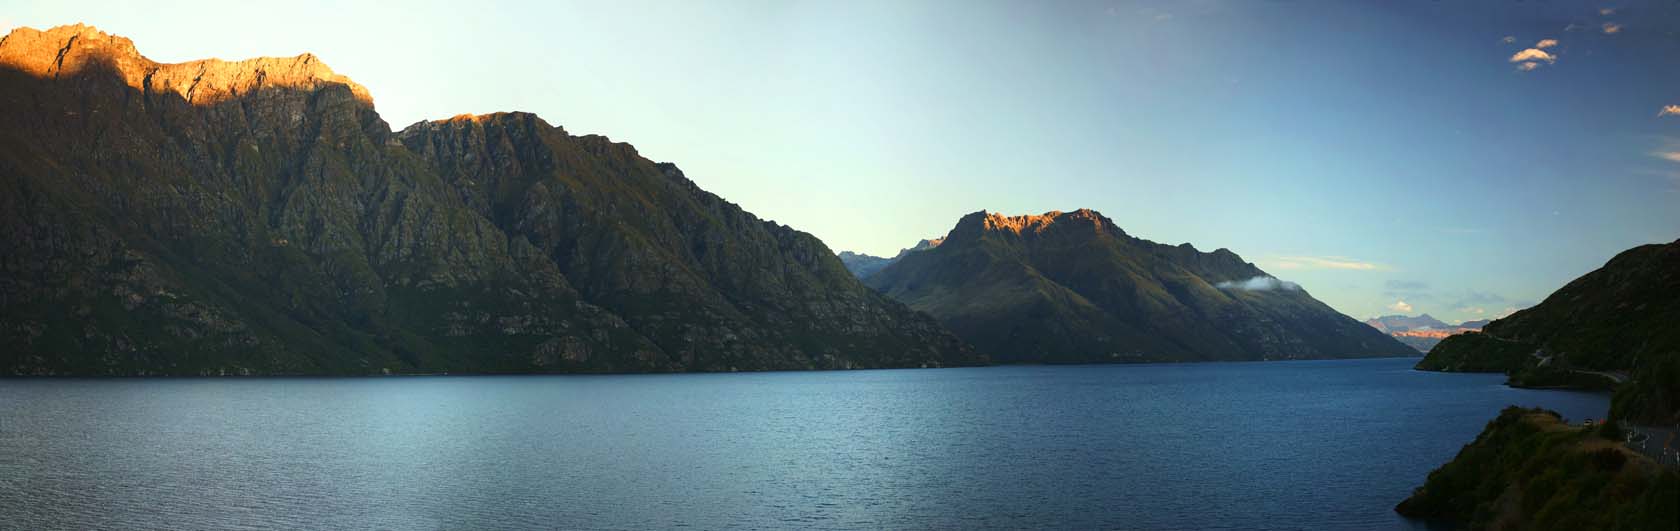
(261, 218)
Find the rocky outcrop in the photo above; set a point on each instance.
(1069, 287)
(258, 217)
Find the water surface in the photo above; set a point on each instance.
(1281, 445)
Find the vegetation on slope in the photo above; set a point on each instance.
(1619, 321)
(1529, 470)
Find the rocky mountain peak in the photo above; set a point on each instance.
(68, 50)
(983, 222)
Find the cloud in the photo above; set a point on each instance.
(1324, 262)
(1671, 156)
(1546, 43)
(1531, 65)
(1607, 11)
(1259, 283)
(1533, 54)
(1611, 28)
(1478, 298)
(1400, 306)
(1509, 39)
(1668, 110)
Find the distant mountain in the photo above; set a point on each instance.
(1073, 287)
(1401, 323)
(259, 217)
(1422, 332)
(1619, 321)
(863, 265)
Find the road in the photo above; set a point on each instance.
(1659, 443)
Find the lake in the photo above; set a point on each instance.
(1274, 445)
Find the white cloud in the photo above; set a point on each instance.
(1324, 262)
(1509, 39)
(1531, 65)
(1607, 11)
(1400, 305)
(1612, 28)
(1669, 109)
(1259, 283)
(1671, 156)
(1546, 43)
(1533, 54)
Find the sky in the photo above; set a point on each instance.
(1463, 159)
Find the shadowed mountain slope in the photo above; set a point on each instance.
(258, 217)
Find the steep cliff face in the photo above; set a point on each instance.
(259, 217)
(1073, 287)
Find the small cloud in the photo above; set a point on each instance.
(1546, 43)
(1533, 54)
(1528, 66)
(1400, 306)
(1668, 110)
(1324, 262)
(1611, 28)
(1163, 16)
(1607, 11)
(1671, 156)
(1259, 283)
(1509, 39)
(1477, 298)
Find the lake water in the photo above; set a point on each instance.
(1280, 445)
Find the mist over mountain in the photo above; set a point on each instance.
(259, 217)
(1071, 287)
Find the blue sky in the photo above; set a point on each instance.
(1391, 157)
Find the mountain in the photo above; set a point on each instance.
(1400, 323)
(1072, 287)
(1617, 322)
(1422, 332)
(259, 217)
(863, 265)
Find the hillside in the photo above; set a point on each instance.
(1529, 470)
(1619, 320)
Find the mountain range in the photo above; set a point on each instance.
(1072, 287)
(259, 217)
(1422, 332)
